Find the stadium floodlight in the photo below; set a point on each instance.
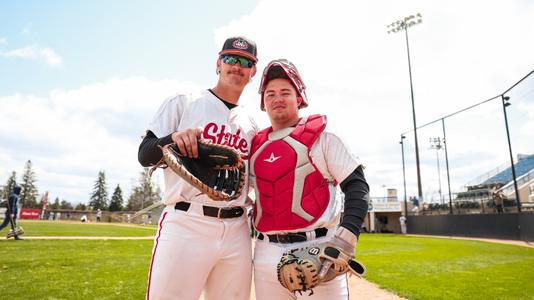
(404, 175)
(397, 26)
(435, 143)
(506, 100)
(505, 104)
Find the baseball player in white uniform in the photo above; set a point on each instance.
(295, 166)
(203, 244)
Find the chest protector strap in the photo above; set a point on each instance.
(290, 191)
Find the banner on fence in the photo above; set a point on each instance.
(385, 206)
(30, 213)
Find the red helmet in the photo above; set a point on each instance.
(290, 72)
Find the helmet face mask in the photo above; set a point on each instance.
(292, 75)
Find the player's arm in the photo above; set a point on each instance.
(11, 202)
(149, 154)
(164, 124)
(346, 169)
(356, 192)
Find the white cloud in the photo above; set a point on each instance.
(357, 74)
(72, 134)
(3, 40)
(47, 55)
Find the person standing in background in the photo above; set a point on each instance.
(12, 213)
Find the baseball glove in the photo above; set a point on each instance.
(219, 171)
(302, 269)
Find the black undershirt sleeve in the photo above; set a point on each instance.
(356, 192)
(149, 153)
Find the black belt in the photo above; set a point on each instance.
(217, 212)
(293, 237)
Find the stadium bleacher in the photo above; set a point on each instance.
(524, 164)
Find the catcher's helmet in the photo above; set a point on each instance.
(282, 68)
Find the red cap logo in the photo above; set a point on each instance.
(240, 44)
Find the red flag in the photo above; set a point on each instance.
(44, 200)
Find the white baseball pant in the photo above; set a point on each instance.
(193, 252)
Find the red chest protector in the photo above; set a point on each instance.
(291, 192)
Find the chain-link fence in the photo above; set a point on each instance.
(465, 157)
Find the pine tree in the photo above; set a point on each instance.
(55, 205)
(80, 206)
(116, 200)
(145, 194)
(99, 196)
(65, 204)
(28, 196)
(10, 184)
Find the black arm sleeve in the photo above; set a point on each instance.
(356, 192)
(149, 153)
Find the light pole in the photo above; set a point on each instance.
(505, 104)
(404, 175)
(394, 27)
(435, 143)
(447, 164)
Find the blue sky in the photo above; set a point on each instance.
(104, 39)
(79, 81)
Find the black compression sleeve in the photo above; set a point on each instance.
(149, 153)
(356, 192)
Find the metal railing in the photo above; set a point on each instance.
(509, 189)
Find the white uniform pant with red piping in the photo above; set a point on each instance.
(193, 252)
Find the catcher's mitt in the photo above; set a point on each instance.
(302, 269)
(219, 171)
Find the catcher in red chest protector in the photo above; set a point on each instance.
(203, 240)
(303, 249)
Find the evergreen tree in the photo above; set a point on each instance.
(10, 184)
(145, 194)
(28, 196)
(99, 196)
(55, 205)
(80, 206)
(136, 199)
(116, 200)
(65, 204)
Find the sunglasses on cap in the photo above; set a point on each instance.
(233, 59)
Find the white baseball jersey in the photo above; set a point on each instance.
(221, 125)
(336, 162)
(194, 253)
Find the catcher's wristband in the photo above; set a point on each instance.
(347, 236)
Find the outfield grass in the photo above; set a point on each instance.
(53, 228)
(413, 267)
(434, 268)
(74, 269)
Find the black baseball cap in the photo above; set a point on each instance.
(241, 46)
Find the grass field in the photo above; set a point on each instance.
(413, 267)
(433, 268)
